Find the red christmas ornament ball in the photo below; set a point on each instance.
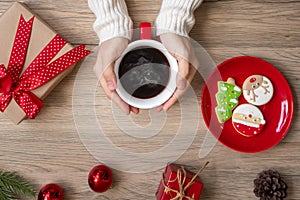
(100, 178)
(51, 192)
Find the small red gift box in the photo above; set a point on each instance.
(179, 184)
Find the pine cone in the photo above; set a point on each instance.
(270, 186)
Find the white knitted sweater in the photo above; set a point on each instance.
(112, 19)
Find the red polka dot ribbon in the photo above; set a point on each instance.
(41, 70)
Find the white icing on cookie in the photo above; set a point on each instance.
(224, 88)
(233, 101)
(221, 109)
(258, 90)
(236, 88)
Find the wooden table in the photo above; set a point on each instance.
(48, 149)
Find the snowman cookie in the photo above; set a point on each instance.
(248, 120)
(258, 90)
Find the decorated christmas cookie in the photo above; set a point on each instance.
(258, 90)
(227, 99)
(248, 120)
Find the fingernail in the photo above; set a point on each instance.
(134, 110)
(159, 109)
(166, 109)
(110, 85)
(126, 112)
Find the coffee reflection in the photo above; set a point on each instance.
(144, 72)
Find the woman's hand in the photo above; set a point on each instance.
(109, 52)
(181, 48)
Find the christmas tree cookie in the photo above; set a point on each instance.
(227, 99)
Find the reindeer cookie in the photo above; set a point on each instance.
(258, 90)
(248, 120)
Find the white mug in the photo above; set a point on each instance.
(162, 97)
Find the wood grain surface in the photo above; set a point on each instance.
(49, 149)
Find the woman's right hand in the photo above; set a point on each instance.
(109, 52)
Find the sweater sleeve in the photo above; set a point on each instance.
(112, 19)
(177, 16)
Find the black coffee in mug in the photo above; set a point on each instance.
(144, 72)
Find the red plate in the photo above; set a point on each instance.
(278, 113)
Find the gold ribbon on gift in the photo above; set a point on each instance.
(181, 177)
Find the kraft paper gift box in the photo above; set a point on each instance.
(41, 35)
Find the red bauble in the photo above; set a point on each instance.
(51, 192)
(100, 178)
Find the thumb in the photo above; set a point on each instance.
(183, 72)
(110, 77)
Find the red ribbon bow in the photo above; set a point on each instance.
(39, 72)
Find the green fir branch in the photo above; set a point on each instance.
(12, 186)
(6, 195)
